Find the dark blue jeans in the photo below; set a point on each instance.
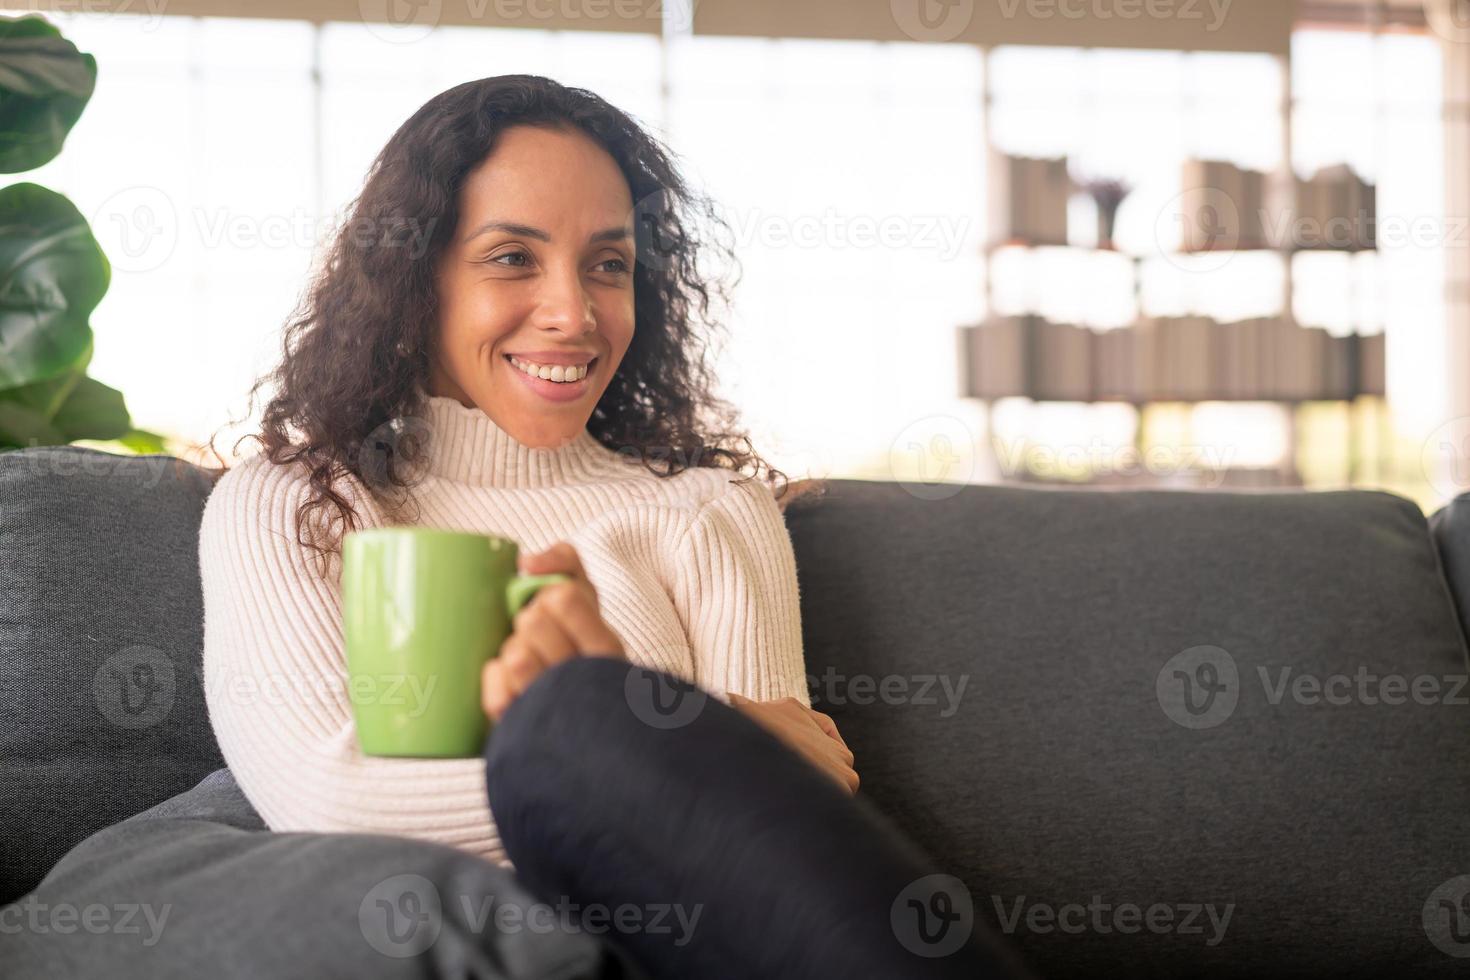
(656, 833)
(616, 787)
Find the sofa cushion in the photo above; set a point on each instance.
(100, 625)
(1009, 667)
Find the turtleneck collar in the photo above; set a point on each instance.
(466, 446)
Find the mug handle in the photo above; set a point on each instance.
(522, 588)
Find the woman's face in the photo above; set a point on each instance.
(540, 267)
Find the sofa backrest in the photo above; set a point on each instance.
(1120, 717)
(100, 626)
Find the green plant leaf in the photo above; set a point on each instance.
(143, 441)
(21, 427)
(93, 411)
(52, 276)
(45, 83)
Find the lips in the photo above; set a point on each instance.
(556, 391)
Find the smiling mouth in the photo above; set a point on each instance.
(553, 373)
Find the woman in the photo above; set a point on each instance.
(505, 338)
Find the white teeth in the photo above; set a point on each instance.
(550, 372)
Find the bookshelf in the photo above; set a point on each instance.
(1226, 210)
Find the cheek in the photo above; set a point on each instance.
(617, 322)
(472, 314)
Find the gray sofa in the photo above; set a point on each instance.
(1154, 733)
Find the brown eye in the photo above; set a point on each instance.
(510, 255)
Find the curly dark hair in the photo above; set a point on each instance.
(355, 351)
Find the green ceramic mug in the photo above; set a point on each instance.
(423, 610)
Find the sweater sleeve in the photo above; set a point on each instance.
(736, 591)
(276, 682)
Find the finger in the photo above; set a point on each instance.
(494, 692)
(519, 665)
(561, 557)
(574, 608)
(543, 634)
(826, 724)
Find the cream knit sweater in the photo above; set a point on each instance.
(695, 574)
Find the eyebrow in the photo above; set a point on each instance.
(512, 228)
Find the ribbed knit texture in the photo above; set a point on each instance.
(695, 573)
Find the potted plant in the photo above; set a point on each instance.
(52, 271)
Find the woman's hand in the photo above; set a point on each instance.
(811, 733)
(562, 621)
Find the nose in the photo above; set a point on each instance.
(564, 305)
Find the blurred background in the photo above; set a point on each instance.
(1182, 243)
